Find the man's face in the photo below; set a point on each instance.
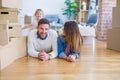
(43, 30)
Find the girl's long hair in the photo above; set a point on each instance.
(72, 35)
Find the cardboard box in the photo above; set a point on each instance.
(17, 48)
(11, 48)
(4, 33)
(28, 19)
(10, 14)
(8, 31)
(15, 30)
(118, 2)
(113, 41)
(11, 4)
(116, 17)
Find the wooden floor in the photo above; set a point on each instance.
(96, 62)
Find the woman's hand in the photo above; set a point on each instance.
(71, 58)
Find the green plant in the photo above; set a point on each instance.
(71, 9)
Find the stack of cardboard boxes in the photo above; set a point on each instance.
(9, 10)
(12, 43)
(113, 41)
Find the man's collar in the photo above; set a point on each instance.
(38, 36)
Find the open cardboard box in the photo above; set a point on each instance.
(113, 41)
(12, 45)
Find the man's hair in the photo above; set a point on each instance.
(43, 21)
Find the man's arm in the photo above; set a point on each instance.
(31, 47)
(54, 52)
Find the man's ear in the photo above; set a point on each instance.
(37, 27)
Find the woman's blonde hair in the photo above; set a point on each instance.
(72, 35)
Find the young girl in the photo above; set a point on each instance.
(38, 15)
(69, 42)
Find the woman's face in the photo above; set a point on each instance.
(39, 15)
(63, 31)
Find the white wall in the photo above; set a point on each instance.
(48, 6)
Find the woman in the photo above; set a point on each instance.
(69, 42)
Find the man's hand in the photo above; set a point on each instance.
(43, 56)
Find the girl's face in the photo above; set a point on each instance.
(39, 15)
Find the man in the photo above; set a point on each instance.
(42, 42)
